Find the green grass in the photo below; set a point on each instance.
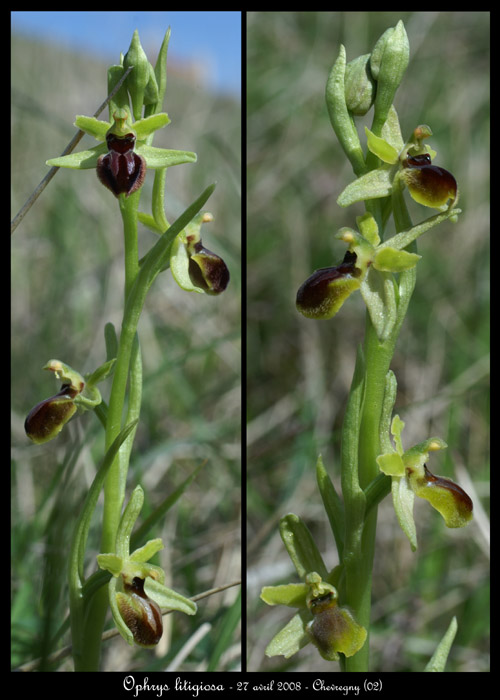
(67, 282)
(299, 371)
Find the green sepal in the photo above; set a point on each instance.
(301, 546)
(179, 265)
(381, 148)
(81, 160)
(164, 158)
(168, 598)
(374, 184)
(291, 594)
(291, 638)
(379, 294)
(393, 260)
(403, 499)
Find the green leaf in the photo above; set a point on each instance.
(374, 184)
(440, 656)
(333, 505)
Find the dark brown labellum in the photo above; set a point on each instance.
(463, 501)
(141, 614)
(47, 418)
(121, 170)
(429, 184)
(317, 296)
(208, 270)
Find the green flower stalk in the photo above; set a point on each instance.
(334, 604)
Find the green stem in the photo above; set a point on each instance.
(378, 356)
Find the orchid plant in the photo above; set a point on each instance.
(126, 584)
(333, 605)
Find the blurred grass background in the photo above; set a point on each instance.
(299, 371)
(67, 282)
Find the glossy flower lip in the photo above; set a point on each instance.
(207, 270)
(121, 170)
(141, 614)
(445, 496)
(428, 184)
(324, 292)
(46, 420)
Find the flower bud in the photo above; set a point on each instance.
(334, 629)
(206, 269)
(140, 77)
(360, 87)
(444, 495)
(324, 292)
(121, 170)
(141, 614)
(428, 184)
(388, 62)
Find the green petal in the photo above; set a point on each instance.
(391, 464)
(92, 126)
(144, 127)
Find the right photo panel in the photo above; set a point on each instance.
(368, 225)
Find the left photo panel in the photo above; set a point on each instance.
(126, 290)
